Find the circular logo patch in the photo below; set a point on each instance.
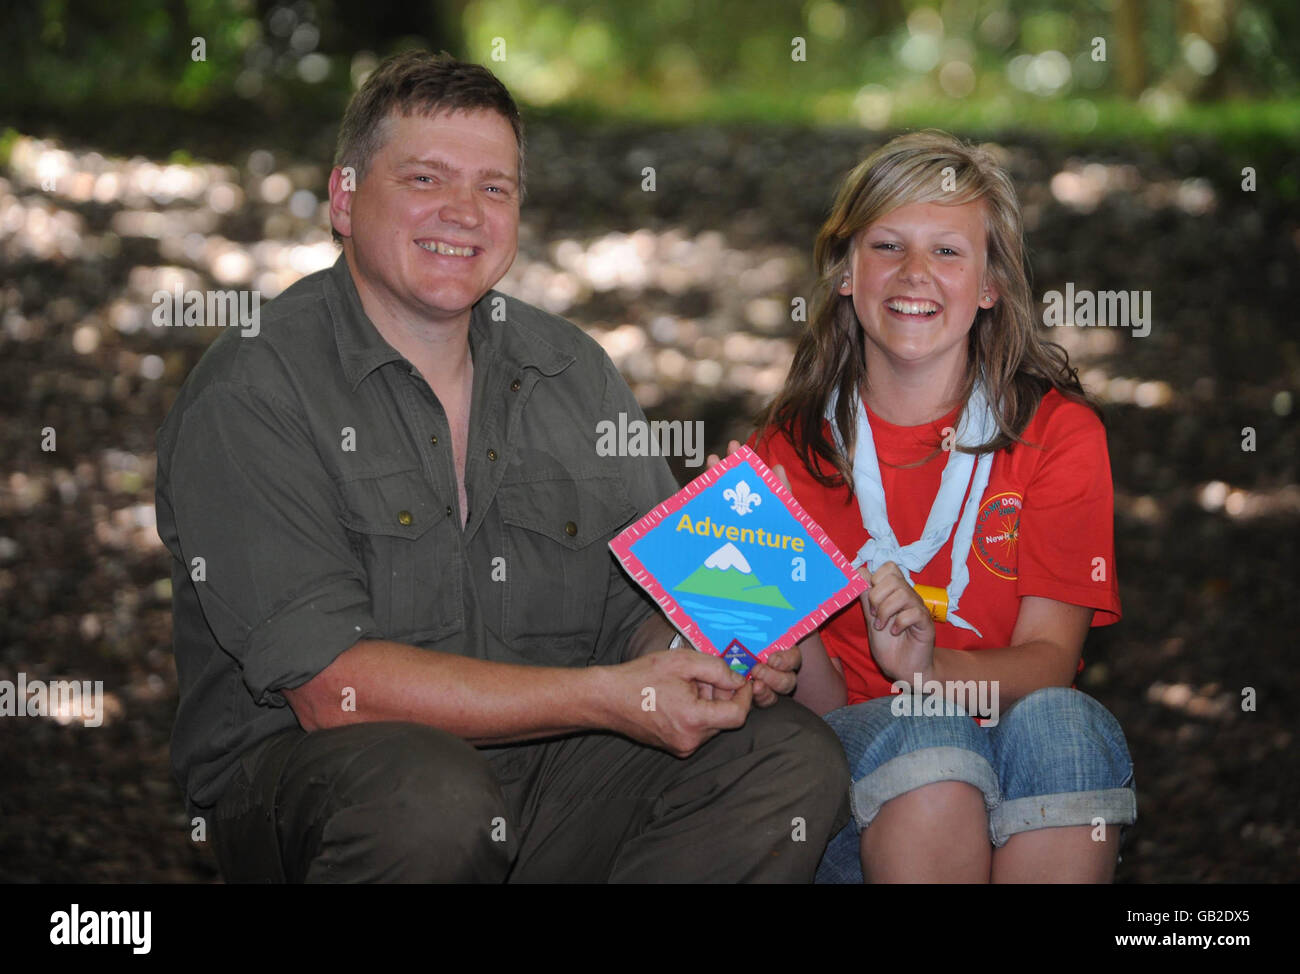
(997, 529)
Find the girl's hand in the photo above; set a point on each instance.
(714, 459)
(776, 677)
(899, 626)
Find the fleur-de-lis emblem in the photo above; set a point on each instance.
(742, 498)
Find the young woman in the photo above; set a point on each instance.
(949, 449)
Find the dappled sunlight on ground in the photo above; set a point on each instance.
(690, 291)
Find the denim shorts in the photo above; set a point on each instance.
(1056, 757)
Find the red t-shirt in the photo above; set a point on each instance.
(1045, 527)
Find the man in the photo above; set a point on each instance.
(405, 651)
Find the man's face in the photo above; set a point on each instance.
(434, 224)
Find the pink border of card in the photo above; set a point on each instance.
(621, 545)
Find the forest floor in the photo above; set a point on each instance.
(689, 288)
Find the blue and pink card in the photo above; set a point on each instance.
(736, 564)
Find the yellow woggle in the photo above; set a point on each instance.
(935, 599)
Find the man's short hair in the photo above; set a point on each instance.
(425, 83)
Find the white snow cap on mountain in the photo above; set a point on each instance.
(728, 556)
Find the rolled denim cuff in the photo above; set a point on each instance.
(921, 767)
(1114, 806)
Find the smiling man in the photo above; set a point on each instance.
(409, 654)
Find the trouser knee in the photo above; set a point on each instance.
(807, 764)
(391, 803)
(1064, 741)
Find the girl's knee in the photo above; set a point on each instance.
(1059, 712)
(1058, 740)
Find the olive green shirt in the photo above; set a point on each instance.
(307, 493)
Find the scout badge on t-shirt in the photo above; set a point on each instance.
(736, 564)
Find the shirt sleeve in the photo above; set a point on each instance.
(1066, 530)
(280, 586)
(649, 482)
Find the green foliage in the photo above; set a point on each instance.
(189, 54)
(959, 63)
(7, 139)
(984, 63)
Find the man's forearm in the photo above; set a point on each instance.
(480, 701)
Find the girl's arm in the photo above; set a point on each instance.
(1045, 648)
(821, 681)
(1046, 642)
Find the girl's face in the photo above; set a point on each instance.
(917, 278)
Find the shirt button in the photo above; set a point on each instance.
(571, 529)
(492, 454)
(514, 386)
(449, 510)
(404, 518)
(433, 440)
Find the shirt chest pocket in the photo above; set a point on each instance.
(412, 559)
(556, 533)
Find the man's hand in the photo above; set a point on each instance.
(657, 699)
(899, 626)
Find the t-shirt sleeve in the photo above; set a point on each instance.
(280, 586)
(772, 447)
(1067, 518)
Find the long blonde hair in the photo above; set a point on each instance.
(1019, 365)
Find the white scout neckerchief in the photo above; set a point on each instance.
(977, 425)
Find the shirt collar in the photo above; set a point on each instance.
(362, 349)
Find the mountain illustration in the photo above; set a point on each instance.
(726, 574)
